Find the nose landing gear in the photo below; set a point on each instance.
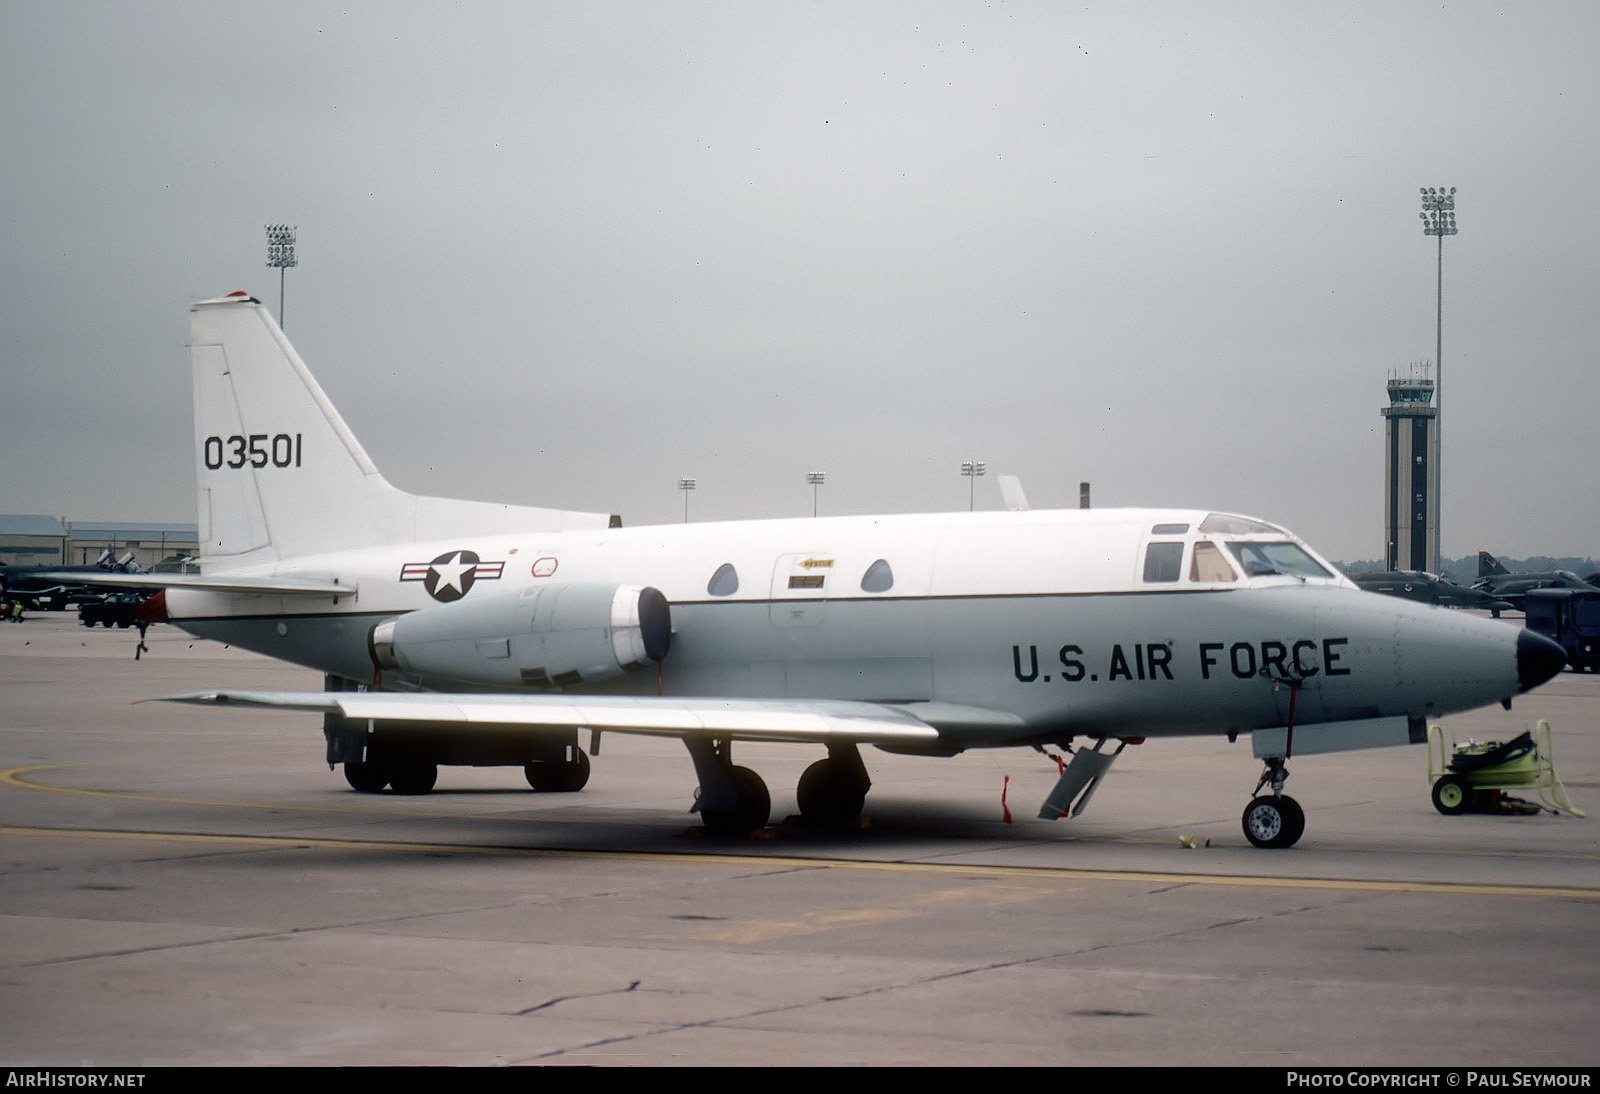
(1273, 820)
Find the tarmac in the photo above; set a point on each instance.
(194, 886)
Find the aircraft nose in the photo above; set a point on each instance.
(1538, 659)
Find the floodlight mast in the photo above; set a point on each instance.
(1438, 220)
(816, 479)
(280, 255)
(686, 484)
(971, 469)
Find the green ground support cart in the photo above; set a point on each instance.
(1477, 773)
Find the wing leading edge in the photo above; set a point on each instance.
(264, 586)
(906, 726)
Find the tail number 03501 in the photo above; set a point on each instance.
(256, 450)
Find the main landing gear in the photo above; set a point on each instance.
(400, 776)
(733, 801)
(405, 775)
(1275, 819)
(832, 792)
(565, 776)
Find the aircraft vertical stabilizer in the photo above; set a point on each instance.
(1489, 566)
(1011, 493)
(282, 476)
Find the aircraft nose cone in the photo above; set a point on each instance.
(1538, 659)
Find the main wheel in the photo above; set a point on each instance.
(1274, 821)
(413, 777)
(830, 795)
(749, 812)
(368, 778)
(559, 778)
(1451, 796)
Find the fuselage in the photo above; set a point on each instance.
(1081, 622)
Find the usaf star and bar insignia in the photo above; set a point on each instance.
(451, 575)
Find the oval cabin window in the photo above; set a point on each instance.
(878, 578)
(725, 582)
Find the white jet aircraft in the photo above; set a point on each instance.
(461, 632)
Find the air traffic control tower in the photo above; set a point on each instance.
(1410, 473)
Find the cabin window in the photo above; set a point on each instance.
(1210, 564)
(725, 582)
(878, 578)
(1163, 562)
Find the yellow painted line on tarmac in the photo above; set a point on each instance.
(1050, 874)
(284, 842)
(989, 893)
(1368, 849)
(17, 777)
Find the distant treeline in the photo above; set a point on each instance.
(1464, 570)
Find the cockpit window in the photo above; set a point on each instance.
(1163, 561)
(1225, 524)
(1210, 564)
(725, 582)
(1263, 559)
(1169, 529)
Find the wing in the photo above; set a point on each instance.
(908, 726)
(273, 586)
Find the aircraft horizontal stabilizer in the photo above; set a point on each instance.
(267, 586)
(741, 719)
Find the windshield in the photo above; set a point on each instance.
(1227, 524)
(1261, 559)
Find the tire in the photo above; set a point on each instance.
(368, 778)
(828, 797)
(1273, 822)
(413, 777)
(556, 778)
(1452, 796)
(748, 814)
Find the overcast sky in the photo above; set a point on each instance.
(566, 253)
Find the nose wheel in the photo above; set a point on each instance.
(1273, 820)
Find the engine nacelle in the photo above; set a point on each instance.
(551, 636)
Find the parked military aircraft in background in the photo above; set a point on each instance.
(52, 588)
(1496, 581)
(1428, 588)
(459, 632)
